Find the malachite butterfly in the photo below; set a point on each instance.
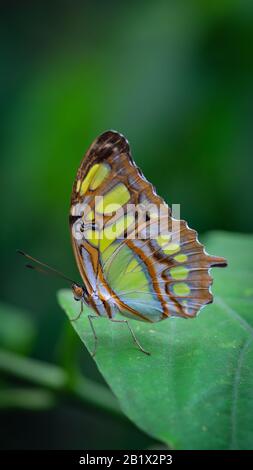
(135, 259)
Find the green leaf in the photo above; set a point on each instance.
(195, 390)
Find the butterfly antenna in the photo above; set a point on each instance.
(40, 270)
(48, 269)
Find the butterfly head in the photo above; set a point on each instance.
(79, 292)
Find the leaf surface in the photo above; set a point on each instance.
(195, 391)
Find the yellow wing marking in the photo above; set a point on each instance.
(181, 289)
(179, 273)
(102, 172)
(115, 198)
(94, 178)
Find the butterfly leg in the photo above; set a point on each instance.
(90, 318)
(79, 314)
(133, 335)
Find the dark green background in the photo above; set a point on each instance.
(176, 78)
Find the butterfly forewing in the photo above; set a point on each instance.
(126, 243)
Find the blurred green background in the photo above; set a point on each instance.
(176, 78)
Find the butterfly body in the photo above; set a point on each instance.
(149, 267)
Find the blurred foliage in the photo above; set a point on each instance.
(17, 331)
(175, 77)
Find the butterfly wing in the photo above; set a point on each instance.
(102, 173)
(153, 265)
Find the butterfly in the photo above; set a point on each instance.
(135, 259)
(145, 268)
